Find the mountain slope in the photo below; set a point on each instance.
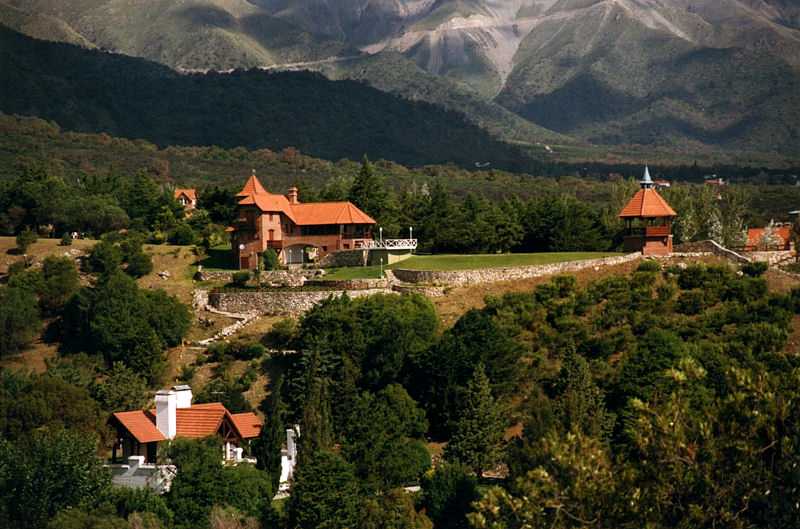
(719, 73)
(92, 91)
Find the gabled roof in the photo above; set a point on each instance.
(190, 194)
(647, 203)
(308, 214)
(314, 213)
(197, 420)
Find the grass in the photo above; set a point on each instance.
(218, 258)
(465, 262)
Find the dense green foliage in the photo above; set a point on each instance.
(130, 98)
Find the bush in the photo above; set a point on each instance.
(25, 239)
(183, 235)
(104, 258)
(249, 352)
(271, 261)
(139, 264)
(649, 265)
(285, 332)
(692, 276)
(692, 302)
(241, 278)
(216, 351)
(66, 239)
(755, 268)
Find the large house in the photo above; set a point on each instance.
(297, 232)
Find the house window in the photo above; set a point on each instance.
(324, 248)
(270, 217)
(346, 246)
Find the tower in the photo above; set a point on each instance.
(648, 221)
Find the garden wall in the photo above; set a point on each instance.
(279, 303)
(490, 275)
(342, 258)
(292, 278)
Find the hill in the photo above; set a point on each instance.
(700, 74)
(93, 91)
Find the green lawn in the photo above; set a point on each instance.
(466, 262)
(218, 258)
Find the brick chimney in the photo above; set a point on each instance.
(293, 195)
(166, 413)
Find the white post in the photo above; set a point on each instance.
(380, 231)
(410, 232)
(381, 275)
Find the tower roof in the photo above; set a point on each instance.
(647, 203)
(252, 187)
(646, 181)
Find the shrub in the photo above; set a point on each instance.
(183, 235)
(692, 276)
(216, 351)
(285, 332)
(241, 278)
(755, 268)
(66, 239)
(139, 264)
(649, 265)
(692, 302)
(271, 261)
(25, 239)
(248, 352)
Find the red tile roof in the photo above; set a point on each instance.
(309, 214)
(647, 203)
(247, 424)
(141, 424)
(190, 194)
(197, 420)
(329, 213)
(755, 236)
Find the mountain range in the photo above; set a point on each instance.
(679, 73)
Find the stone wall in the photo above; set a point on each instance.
(341, 258)
(292, 278)
(351, 284)
(427, 291)
(279, 303)
(490, 275)
(773, 257)
(710, 247)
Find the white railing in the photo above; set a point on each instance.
(394, 244)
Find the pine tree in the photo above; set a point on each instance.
(268, 444)
(480, 430)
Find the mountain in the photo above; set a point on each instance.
(95, 91)
(686, 74)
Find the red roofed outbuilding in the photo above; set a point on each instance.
(140, 431)
(648, 220)
(774, 237)
(291, 228)
(187, 197)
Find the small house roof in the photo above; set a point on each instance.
(190, 194)
(755, 236)
(197, 420)
(647, 203)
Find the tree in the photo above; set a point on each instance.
(19, 319)
(47, 472)
(267, 446)
(573, 487)
(480, 428)
(60, 282)
(271, 261)
(324, 493)
(448, 494)
(393, 510)
(377, 439)
(25, 239)
(139, 264)
(369, 194)
(104, 258)
(122, 390)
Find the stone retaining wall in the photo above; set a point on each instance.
(351, 284)
(710, 247)
(491, 275)
(292, 278)
(427, 291)
(773, 257)
(279, 303)
(341, 258)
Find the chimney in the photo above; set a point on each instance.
(166, 406)
(184, 395)
(293, 195)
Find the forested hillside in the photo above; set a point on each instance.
(93, 91)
